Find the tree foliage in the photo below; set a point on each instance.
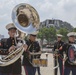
(47, 33)
(64, 32)
(74, 29)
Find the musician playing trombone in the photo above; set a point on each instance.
(10, 45)
(33, 47)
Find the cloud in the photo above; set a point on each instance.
(58, 9)
(67, 10)
(2, 16)
(47, 9)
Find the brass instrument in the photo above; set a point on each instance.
(42, 62)
(26, 20)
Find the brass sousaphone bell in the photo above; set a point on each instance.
(25, 18)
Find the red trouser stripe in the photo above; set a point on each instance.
(25, 70)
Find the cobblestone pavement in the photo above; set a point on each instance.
(46, 70)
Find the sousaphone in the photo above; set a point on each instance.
(26, 20)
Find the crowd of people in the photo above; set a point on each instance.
(31, 45)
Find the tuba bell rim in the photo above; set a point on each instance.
(30, 28)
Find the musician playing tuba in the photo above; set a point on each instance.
(26, 20)
(10, 45)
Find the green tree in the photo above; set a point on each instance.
(64, 32)
(51, 36)
(41, 34)
(48, 33)
(74, 30)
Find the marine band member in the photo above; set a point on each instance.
(68, 66)
(58, 54)
(33, 47)
(9, 45)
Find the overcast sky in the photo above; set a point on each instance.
(57, 9)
